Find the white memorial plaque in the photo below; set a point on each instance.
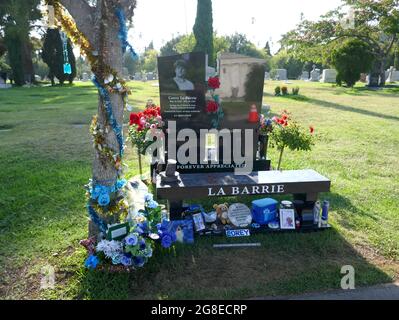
(239, 215)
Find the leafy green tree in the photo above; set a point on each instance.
(169, 48)
(17, 18)
(132, 65)
(186, 44)
(150, 60)
(241, 45)
(203, 29)
(375, 22)
(284, 60)
(351, 59)
(53, 56)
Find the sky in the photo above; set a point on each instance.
(260, 20)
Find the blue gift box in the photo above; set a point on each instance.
(264, 210)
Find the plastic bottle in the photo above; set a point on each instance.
(324, 212)
(316, 212)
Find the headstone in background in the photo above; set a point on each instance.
(37, 78)
(137, 76)
(3, 84)
(281, 74)
(393, 75)
(305, 75)
(150, 76)
(315, 74)
(329, 76)
(85, 76)
(267, 75)
(363, 77)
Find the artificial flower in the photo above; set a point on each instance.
(152, 204)
(142, 244)
(103, 199)
(311, 129)
(148, 197)
(109, 248)
(166, 240)
(89, 244)
(138, 261)
(134, 119)
(131, 239)
(91, 262)
(211, 106)
(126, 261)
(117, 258)
(214, 83)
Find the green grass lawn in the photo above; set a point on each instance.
(46, 154)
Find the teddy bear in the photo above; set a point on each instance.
(221, 212)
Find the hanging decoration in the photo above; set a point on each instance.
(111, 119)
(67, 65)
(122, 34)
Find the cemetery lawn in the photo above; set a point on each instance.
(45, 157)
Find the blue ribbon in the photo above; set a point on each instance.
(96, 219)
(122, 34)
(108, 107)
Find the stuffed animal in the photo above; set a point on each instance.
(221, 212)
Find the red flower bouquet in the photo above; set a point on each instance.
(140, 123)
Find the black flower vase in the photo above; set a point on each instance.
(263, 142)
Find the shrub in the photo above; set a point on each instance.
(284, 90)
(295, 91)
(350, 59)
(277, 91)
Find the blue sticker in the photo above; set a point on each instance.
(238, 233)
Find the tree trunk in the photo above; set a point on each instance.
(26, 57)
(110, 51)
(374, 77)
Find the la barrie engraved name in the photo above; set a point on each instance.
(250, 190)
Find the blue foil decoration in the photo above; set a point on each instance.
(122, 34)
(96, 219)
(108, 107)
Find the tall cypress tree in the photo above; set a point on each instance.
(17, 18)
(53, 56)
(267, 49)
(203, 29)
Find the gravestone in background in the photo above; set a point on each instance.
(267, 75)
(329, 76)
(281, 74)
(315, 74)
(183, 99)
(305, 75)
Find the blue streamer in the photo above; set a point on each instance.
(122, 34)
(96, 219)
(108, 107)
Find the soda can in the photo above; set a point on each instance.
(324, 211)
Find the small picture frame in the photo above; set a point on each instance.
(199, 224)
(287, 219)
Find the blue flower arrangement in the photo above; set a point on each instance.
(137, 246)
